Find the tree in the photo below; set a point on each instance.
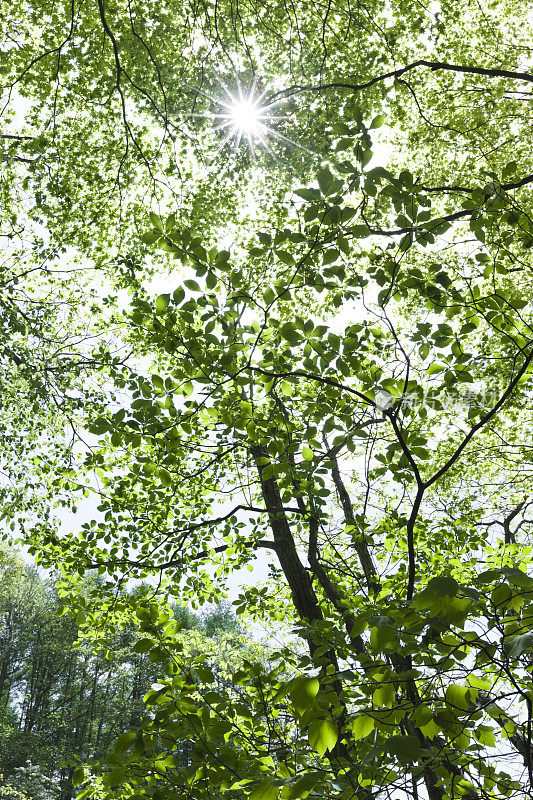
(60, 700)
(344, 391)
(414, 646)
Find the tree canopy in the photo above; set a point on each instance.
(304, 347)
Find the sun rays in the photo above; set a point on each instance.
(247, 117)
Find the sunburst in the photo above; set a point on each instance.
(247, 116)
(244, 116)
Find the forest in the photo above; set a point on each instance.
(62, 702)
(266, 441)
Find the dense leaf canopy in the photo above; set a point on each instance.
(308, 353)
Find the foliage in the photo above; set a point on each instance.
(9, 792)
(334, 382)
(416, 649)
(29, 781)
(59, 700)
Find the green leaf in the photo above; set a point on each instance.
(384, 695)
(431, 729)
(330, 256)
(438, 588)
(479, 683)
(501, 594)
(264, 791)
(325, 179)
(290, 334)
(519, 645)
(323, 735)
(378, 173)
(158, 654)
(405, 748)
(285, 258)
(405, 242)
(303, 692)
(360, 231)
(378, 121)
(269, 296)
(302, 787)
(362, 726)
(204, 673)
(485, 735)
(380, 636)
(443, 586)
(156, 221)
(267, 472)
(307, 453)
(165, 477)
(143, 645)
(458, 696)
(308, 194)
(194, 286)
(178, 295)
(116, 775)
(344, 144)
(124, 741)
(161, 303)
(509, 170)
(222, 259)
(150, 237)
(434, 368)
(78, 777)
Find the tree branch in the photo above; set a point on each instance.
(295, 89)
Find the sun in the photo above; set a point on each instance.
(246, 117)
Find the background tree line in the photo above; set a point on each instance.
(59, 700)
